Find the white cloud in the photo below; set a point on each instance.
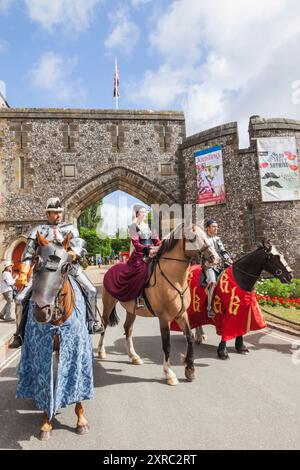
(159, 87)
(75, 15)
(223, 61)
(53, 74)
(124, 34)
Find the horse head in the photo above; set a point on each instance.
(51, 265)
(196, 244)
(276, 264)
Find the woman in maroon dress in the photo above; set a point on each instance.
(124, 281)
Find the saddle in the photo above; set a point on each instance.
(219, 272)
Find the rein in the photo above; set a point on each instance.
(59, 310)
(248, 274)
(179, 292)
(188, 261)
(278, 272)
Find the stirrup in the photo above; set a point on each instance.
(211, 313)
(139, 303)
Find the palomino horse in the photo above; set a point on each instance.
(56, 322)
(168, 296)
(246, 272)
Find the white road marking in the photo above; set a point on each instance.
(283, 338)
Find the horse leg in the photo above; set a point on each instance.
(222, 351)
(128, 327)
(188, 359)
(108, 307)
(46, 426)
(166, 345)
(210, 295)
(101, 346)
(240, 346)
(82, 423)
(200, 336)
(45, 429)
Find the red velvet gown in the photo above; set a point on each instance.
(124, 281)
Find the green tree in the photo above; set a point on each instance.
(91, 216)
(121, 242)
(96, 245)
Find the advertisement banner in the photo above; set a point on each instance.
(210, 177)
(278, 169)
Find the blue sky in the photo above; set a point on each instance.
(80, 55)
(218, 61)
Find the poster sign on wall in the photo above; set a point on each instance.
(278, 169)
(210, 177)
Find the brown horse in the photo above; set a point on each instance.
(168, 296)
(54, 301)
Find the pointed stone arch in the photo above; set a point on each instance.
(118, 178)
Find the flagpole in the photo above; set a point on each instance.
(116, 84)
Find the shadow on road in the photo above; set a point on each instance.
(261, 341)
(15, 425)
(150, 350)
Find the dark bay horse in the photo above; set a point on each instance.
(246, 272)
(53, 302)
(168, 296)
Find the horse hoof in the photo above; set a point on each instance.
(201, 339)
(242, 350)
(45, 435)
(223, 354)
(81, 430)
(136, 360)
(172, 381)
(190, 374)
(102, 355)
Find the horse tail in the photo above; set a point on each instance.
(113, 318)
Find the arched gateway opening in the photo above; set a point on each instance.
(115, 179)
(124, 182)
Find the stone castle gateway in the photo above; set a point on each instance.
(83, 155)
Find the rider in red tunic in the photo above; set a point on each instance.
(124, 281)
(237, 311)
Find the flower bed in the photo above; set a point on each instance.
(272, 292)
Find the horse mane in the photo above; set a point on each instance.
(250, 253)
(170, 241)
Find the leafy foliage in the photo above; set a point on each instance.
(96, 245)
(91, 217)
(273, 287)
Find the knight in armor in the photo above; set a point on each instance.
(53, 230)
(210, 275)
(125, 281)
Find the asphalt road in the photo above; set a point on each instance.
(248, 402)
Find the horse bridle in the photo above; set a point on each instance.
(278, 272)
(188, 261)
(57, 312)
